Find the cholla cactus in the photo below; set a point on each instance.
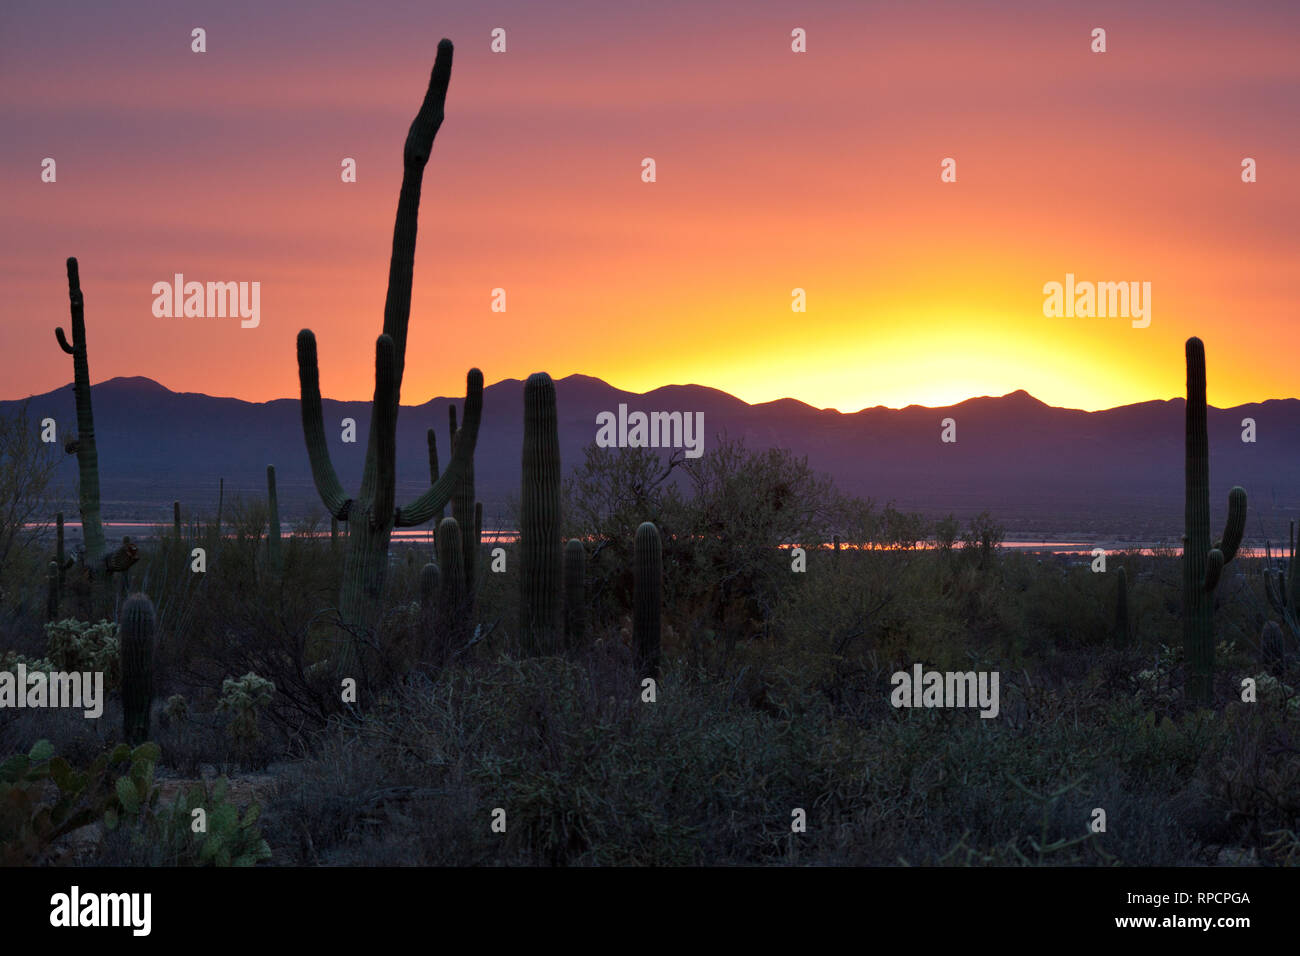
(74, 645)
(243, 698)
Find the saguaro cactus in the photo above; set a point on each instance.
(575, 602)
(136, 648)
(462, 509)
(221, 497)
(1272, 648)
(430, 582)
(1121, 610)
(274, 556)
(52, 592)
(176, 522)
(1203, 564)
(92, 527)
(371, 516)
(451, 558)
(540, 544)
(646, 598)
(1283, 590)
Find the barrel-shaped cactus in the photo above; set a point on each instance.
(647, 596)
(274, 555)
(1202, 563)
(540, 543)
(575, 601)
(372, 515)
(137, 625)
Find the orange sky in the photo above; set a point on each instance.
(775, 170)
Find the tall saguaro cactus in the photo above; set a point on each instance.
(451, 557)
(92, 526)
(540, 544)
(274, 558)
(462, 509)
(136, 649)
(1202, 564)
(371, 516)
(647, 595)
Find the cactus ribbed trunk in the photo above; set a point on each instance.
(372, 515)
(1198, 602)
(540, 543)
(1202, 564)
(274, 555)
(136, 648)
(647, 599)
(92, 526)
(575, 600)
(451, 566)
(176, 522)
(462, 509)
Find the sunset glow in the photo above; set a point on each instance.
(775, 171)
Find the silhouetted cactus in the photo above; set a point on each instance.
(1203, 564)
(176, 522)
(60, 555)
(274, 555)
(431, 438)
(221, 498)
(430, 582)
(478, 533)
(138, 624)
(52, 592)
(451, 566)
(462, 509)
(1272, 648)
(92, 526)
(1122, 631)
(647, 598)
(575, 600)
(540, 543)
(372, 516)
(1283, 589)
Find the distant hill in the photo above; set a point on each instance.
(1041, 470)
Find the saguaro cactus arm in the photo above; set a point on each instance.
(1236, 526)
(383, 431)
(328, 486)
(436, 498)
(415, 156)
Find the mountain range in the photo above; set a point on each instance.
(1042, 471)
